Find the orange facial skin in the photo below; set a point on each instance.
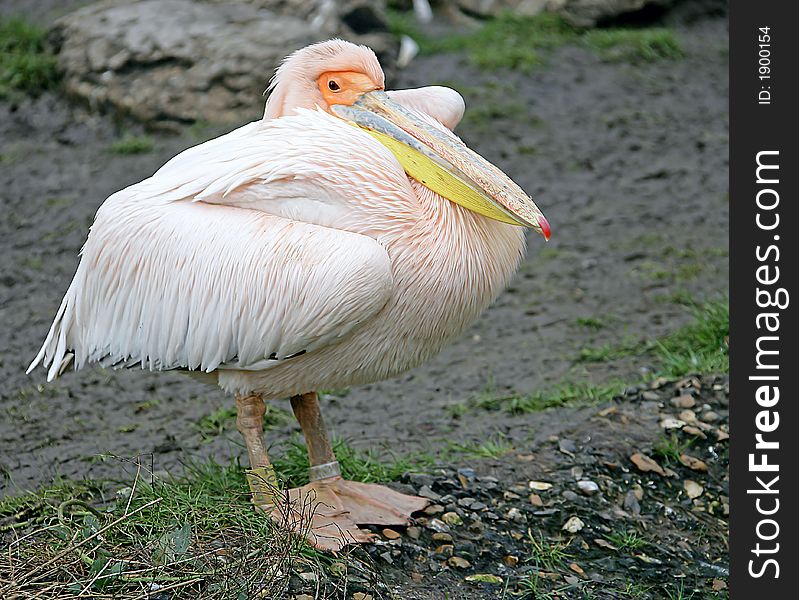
(344, 87)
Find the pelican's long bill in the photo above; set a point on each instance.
(443, 163)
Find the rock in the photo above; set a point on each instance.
(438, 525)
(688, 416)
(631, 504)
(646, 464)
(535, 500)
(434, 509)
(167, 62)
(445, 550)
(650, 396)
(567, 447)
(466, 502)
(540, 486)
(515, 515)
(452, 519)
(684, 401)
(577, 569)
(485, 578)
(458, 562)
(587, 488)
(362, 596)
(442, 537)
(476, 506)
(710, 416)
(692, 489)
(390, 534)
(426, 492)
(510, 560)
(691, 430)
(672, 423)
(693, 463)
(386, 556)
(573, 525)
(414, 533)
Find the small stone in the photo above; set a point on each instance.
(693, 463)
(539, 486)
(515, 515)
(434, 509)
(692, 488)
(442, 537)
(672, 423)
(445, 550)
(695, 431)
(417, 577)
(308, 576)
(638, 491)
(337, 569)
(567, 447)
(710, 416)
(458, 562)
(587, 488)
(684, 401)
(722, 435)
(510, 560)
(604, 544)
(426, 492)
(485, 578)
(390, 534)
(491, 516)
(438, 525)
(452, 519)
(362, 596)
(577, 472)
(478, 506)
(303, 597)
(386, 556)
(688, 416)
(466, 502)
(573, 525)
(650, 396)
(414, 533)
(631, 504)
(508, 495)
(570, 496)
(476, 526)
(718, 585)
(577, 569)
(535, 500)
(646, 464)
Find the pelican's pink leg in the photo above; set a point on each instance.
(261, 474)
(339, 505)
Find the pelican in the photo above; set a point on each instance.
(342, 239)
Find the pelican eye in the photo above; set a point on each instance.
(333, 86)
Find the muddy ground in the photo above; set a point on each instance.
(629, 162)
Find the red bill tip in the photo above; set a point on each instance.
(544, 225)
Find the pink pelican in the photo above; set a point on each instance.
(342, 239)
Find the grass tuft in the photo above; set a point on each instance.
(132, 144)
(633, 45)
(516, 42)
(25, 64)
(700, 347)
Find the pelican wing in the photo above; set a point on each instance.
(166, 281)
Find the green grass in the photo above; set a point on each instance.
(196, 533)
(699, 347)
(595, 323)
(670, 448)
(633, 45)
(26, 67)
(223, 420)
(494, 448)
(627, 540)
(132, 144)
(547, 553)
(702, 346)
(516, 42)
(291, 463)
